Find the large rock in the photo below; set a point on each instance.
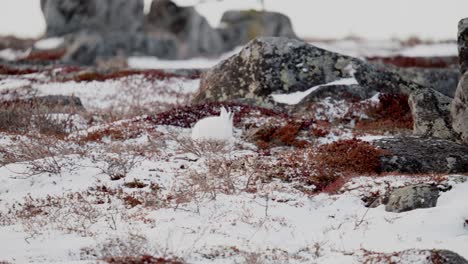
(280, 65)
(384, 78)
(443, 80)
(431, 114)
(422, 155)
(463, 44)
(412, 197)
(272, 65)
(240, 26)
(69, 16)
(85, 48)
(459, 109)
(447, 257)
(192, 30)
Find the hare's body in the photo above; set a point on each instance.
(214, 127)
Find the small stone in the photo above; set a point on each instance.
(412, 197)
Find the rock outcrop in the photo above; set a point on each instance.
(443, 80)
(463, 44)
(459, 109)
(446, 257)
(281, 65)
(70, 16)
(422, 155)
(240, 27)
(431, 114)
(412, 197)
(194, 33)
(272, 65)
(85, 48)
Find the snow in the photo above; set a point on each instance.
(156, 63)
(49, 43)
(296, 97)
(184, 210)
(433, 50)
(13, 55)
(120, 94)
(387, 48)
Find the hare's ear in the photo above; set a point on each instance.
(223, 112)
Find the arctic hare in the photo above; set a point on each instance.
(214, 127)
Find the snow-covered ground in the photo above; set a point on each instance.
(122, 184)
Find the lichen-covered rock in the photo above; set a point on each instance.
(463, 44)
(85, 48)
(426, 256)
(69, 16)
(459, 109)
(431, 114)
(422, 155)
(412, 197)
(447, 257)
(352, 92)
(384, 78)
(272, 65)
(241, 26)
(280, 65)
(191, 29)
(443, 80)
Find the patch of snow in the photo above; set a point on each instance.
(49, 43)
(195, 63)
(13, 55)
(431, 50)
(296, 97)
(13, 83)
(121, 93)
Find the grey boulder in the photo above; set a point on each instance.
(85, 48)
(69, 16)
(241, 26)
(463, 44)
(412, 197)
(277, 65)
(194, 33)
(422, 155)
(443, 80)
(272, 65)
(431, 114)
(459, 109)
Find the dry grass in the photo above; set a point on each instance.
(42, 154)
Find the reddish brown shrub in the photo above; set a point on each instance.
(98, 135)
(392, 113)
(430, 62)
(135, 184)
(131, 201)
(350, 156)
(123, 132)
(148, 74)
(328, 166)
(145, 259)
(280, 136)
(321, 128)
(187, 116)
(46, 55)
(6, 70)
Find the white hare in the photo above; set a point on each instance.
(214, 127)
